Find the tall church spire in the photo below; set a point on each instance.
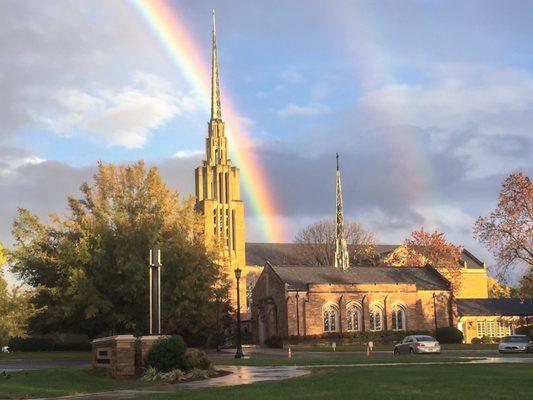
(216, 112)
(342, 259)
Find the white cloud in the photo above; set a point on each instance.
(182, 154)
(291, 110)
(12, 159)
(122, 117)
(465, 110)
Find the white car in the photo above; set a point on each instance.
(515, 344)
(417, 344)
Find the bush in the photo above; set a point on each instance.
(275, 342)
(45, 344)
(486, 339)
(476, 340)
(449, 335)
(196, 359)
(72, 346)
(166, 354)
(525, 330)
(31, 344)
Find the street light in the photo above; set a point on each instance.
(238, 353)
(218, 321)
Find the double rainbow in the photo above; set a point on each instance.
(172, 34)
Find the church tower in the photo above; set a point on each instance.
(217, 184)
(342, 260)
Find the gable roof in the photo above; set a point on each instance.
(292, 254)
(298, 277)
(506, 306)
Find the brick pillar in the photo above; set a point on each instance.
(115, 354)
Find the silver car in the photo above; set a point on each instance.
(417, 344)
(515, 344)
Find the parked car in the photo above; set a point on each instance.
(516, 344)
(417, 344)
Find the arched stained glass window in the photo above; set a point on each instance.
(331, 318)
(353, 315)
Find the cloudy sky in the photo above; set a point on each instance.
(429, 103)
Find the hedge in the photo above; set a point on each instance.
(449, 335)
(45, 344)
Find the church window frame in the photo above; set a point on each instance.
(330, 317)
(398, 317)
(353, 317)
(376, 317)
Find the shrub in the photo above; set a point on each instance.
(525, 330)
(449, 335)
(31, 344)
(196, 359)
(486, 339)
(198, 374)
(476, 340)
(275, 342)
(166, 354)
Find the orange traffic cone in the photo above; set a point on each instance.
(290, 352)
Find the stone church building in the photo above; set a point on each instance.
(283, 296)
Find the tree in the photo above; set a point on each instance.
(432, 248)
(318, 243)
(508, 230)
(496, 289)
(15, 308)
(90, 267)
(526, 284)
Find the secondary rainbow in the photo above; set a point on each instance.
(172, 34)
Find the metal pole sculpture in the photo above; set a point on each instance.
(239, 353)
(155, 290)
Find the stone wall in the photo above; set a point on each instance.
(277, 311)
(269, 307)
(474, 284)
(115, 355)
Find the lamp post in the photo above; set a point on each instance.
(238, 353)
(155, 290)
(218, 322)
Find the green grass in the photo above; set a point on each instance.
(340, 359)
(60, 382)
(389, 347)
(442, 382)
(46, 355)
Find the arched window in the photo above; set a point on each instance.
(398, 318)
(353, 315)
(330, 314)
(376, 317)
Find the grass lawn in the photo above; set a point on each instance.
(46, 355)
(389, 347)
(408, 382)
(59, 382)
(339, 359)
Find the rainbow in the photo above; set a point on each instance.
(172, 34)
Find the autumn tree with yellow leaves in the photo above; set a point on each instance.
(90, 267)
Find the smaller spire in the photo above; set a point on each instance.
(342, 259)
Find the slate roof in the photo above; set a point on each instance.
(291, 254)
(298, 277)
(507, 306)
